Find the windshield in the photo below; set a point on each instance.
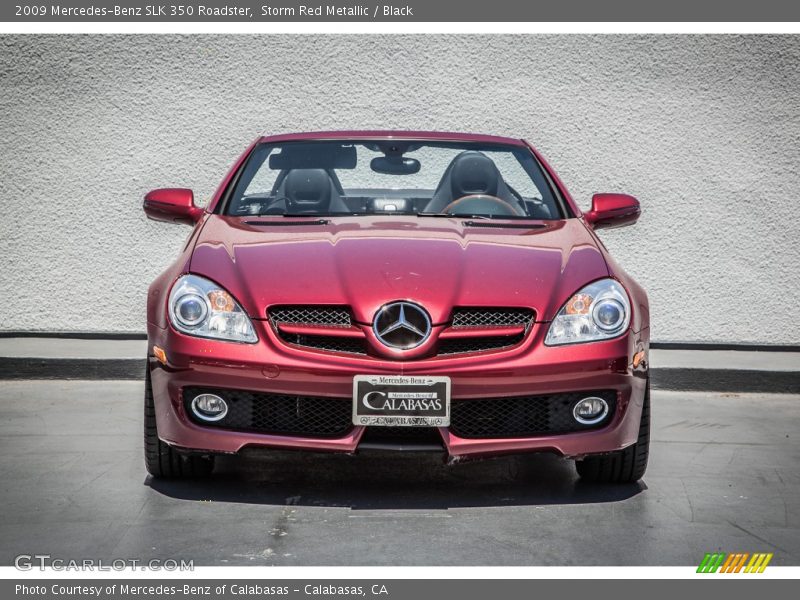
(366, 177)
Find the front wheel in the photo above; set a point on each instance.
(624, 466)
(161, 460)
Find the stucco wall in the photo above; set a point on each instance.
(705, 131)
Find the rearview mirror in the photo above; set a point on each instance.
(173, 205)
(612, 210)
(395, 165)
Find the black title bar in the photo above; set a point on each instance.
(409, 11)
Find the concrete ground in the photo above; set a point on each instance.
(723, 476)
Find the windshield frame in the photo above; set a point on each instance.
(546, 185)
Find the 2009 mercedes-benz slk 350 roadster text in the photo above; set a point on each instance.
(401, 291)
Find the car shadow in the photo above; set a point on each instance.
(393, 481)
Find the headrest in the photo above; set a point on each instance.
(307, 190)
(473, 173)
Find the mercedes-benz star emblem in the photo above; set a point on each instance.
(402, 325)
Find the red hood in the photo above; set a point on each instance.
(365, 262)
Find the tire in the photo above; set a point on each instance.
(161, 460)
(623, 466)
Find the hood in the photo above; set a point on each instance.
(365, 262)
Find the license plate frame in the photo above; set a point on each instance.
(401, 400)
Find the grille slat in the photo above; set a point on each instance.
(330, 343)
(482, 318)
(477, 344)
(330, 316)
(325, 316)
(279, 414)
(492, 317)
(525, 416)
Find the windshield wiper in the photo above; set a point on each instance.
(275, 223)
(500, 225)
(482, 217)
(317, 215)
(454, 216)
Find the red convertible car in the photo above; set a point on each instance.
(408, 291)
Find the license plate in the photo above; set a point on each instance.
(401, 401)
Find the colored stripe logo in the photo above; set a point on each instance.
(737, 562)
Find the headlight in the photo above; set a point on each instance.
(600, 311)
(201, 308)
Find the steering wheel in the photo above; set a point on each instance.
(475, 204)
(271, 204)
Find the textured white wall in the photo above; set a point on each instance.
(705, 131)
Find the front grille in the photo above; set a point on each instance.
(481, 319)
(524, 416)
(478, 344)
(278, 414)
(492, 317)
(402, 435)
(329, 316)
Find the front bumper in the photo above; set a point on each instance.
(269, 367)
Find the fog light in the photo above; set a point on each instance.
(590, 410)
(209, 407)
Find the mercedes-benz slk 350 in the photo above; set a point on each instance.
(345, 291)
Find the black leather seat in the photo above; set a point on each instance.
(470, 173)
(311, 191)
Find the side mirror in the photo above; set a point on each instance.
(173, 205)
(612, 210)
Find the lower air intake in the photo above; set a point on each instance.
(278, 414)
(525, 416)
